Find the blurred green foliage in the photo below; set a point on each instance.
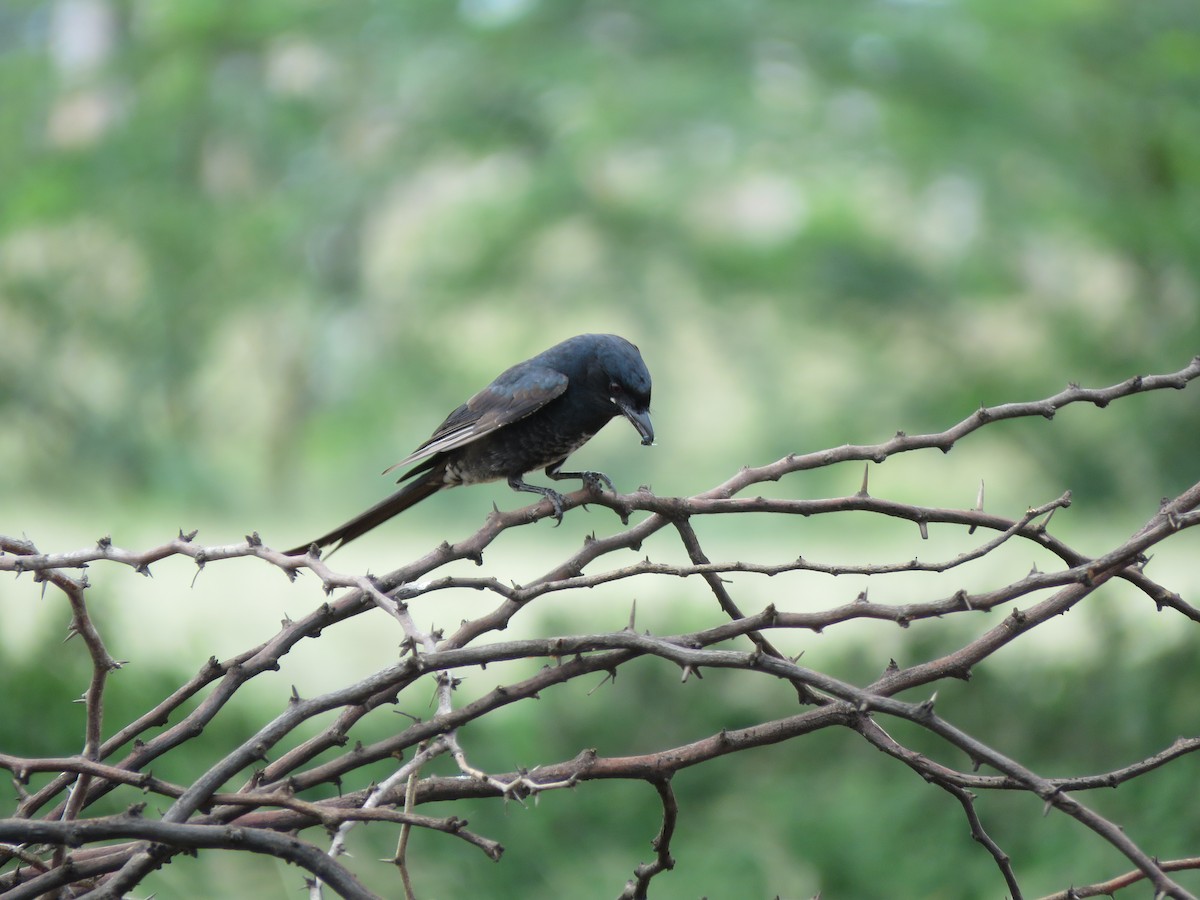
(238, 245)
(247, 247)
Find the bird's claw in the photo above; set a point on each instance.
(556, 500)
(593, 481)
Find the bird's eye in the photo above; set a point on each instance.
(614, 389)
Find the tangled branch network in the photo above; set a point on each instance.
(301, 793)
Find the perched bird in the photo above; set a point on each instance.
(533, 416)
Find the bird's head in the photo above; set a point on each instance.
(628, 383)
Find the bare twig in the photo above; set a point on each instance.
(636, 888)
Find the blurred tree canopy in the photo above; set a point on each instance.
(237, 242)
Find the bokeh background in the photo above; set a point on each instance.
(251, 254)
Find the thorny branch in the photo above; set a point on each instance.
(57, 842)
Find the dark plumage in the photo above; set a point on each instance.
(533, 416)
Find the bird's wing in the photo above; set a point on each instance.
(515, 394)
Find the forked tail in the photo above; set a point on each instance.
(414, 492)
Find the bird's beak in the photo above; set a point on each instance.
(641, 421)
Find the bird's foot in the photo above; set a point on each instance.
(591, 480)
(555, 498)
(594, 480)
